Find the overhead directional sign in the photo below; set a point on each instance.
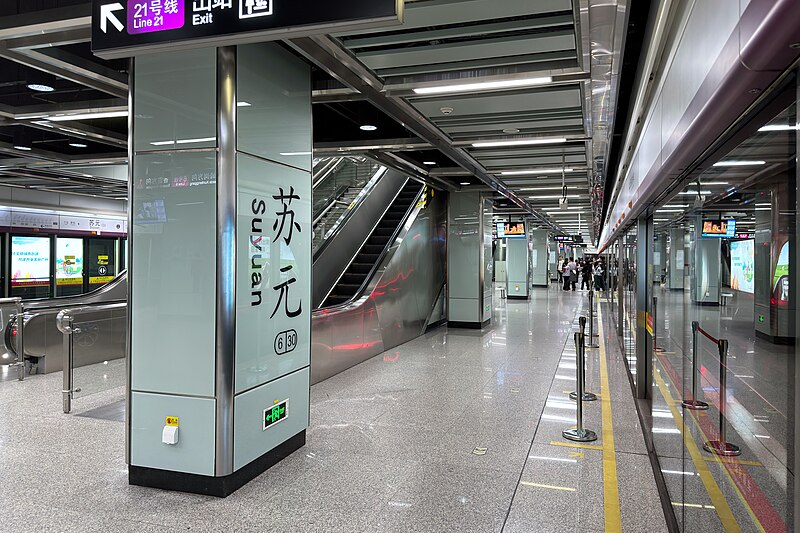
(131, 27)
(107, 15)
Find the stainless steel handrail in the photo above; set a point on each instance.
(65, 322)
(18, 319)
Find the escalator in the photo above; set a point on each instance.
(363, 264)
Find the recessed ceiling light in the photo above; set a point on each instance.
(23, 148)
(518, 142)
(243, 104)
(77, 145)
(429, 162)
(465, 183)
(40, 87)
(368, 127)
(483, 86)
(739, 163)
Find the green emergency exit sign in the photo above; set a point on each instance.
(275, 414)
(761, 318)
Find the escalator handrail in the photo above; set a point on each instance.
(341, 191)
(31, 304)
(389, 244)
(325, 171)
(365, 192)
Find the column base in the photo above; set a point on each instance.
(786, 341)
(468, 325)
(221, 487)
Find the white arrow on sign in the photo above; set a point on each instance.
(107, 15)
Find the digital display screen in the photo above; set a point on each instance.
(150, 212)
(510, 231)
(743, 266)
(30, 261)
(719, 228)
(275, 414)
(69, 261)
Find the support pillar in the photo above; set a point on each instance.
(519, 268)
(469, 260)
(220, 270)
(539, 258)
(706, 267)
(677, 259)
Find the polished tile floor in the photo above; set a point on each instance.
(458, 431)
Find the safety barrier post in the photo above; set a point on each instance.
(20, 345)
(722, 446)
(579, 433)
(693, 403)
(656, 348)
(65, 323)
(592, 334)
(587, 396)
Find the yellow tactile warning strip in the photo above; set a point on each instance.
(613, 515)
(717, 498)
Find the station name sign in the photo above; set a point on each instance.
(129, 27)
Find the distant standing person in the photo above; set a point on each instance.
(599, 272)
(573, 273)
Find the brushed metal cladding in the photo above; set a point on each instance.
(399, 301)
(42, 338)
(331, 262)
(101, 336)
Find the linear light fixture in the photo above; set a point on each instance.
(780, 127)
(519, 142)
(742, 163)
(694, 192)
(553, 197)
(542, 189)
(243, 104)
(483, 86)
(535, 171)
(572, 208)
(184, 141)
(289, 154)
(708, 183)
(89, 116)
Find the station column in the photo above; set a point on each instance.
(519, 268)
(220, 277)
(469, 260)
(677, 259)
(539, 258)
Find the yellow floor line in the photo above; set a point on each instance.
(717, 498)
(610, 482)
(576, 445)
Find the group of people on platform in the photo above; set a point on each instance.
(591, 273)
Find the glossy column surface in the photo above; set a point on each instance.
(457, 430)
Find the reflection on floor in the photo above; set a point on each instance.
(458, 430)
(752, 492)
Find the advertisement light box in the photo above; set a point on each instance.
(510, 231)
(723, 229)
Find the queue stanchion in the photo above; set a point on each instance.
(656, 348)
(592, 334)
(693, 403)
(722, 446)
(587, 396)
(579, 433)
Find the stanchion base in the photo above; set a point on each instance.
(579, 435)
(592, 345)
(725, 449)
(659, 350)
(587, 396)
(695, 405)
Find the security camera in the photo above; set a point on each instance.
(446, 110)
